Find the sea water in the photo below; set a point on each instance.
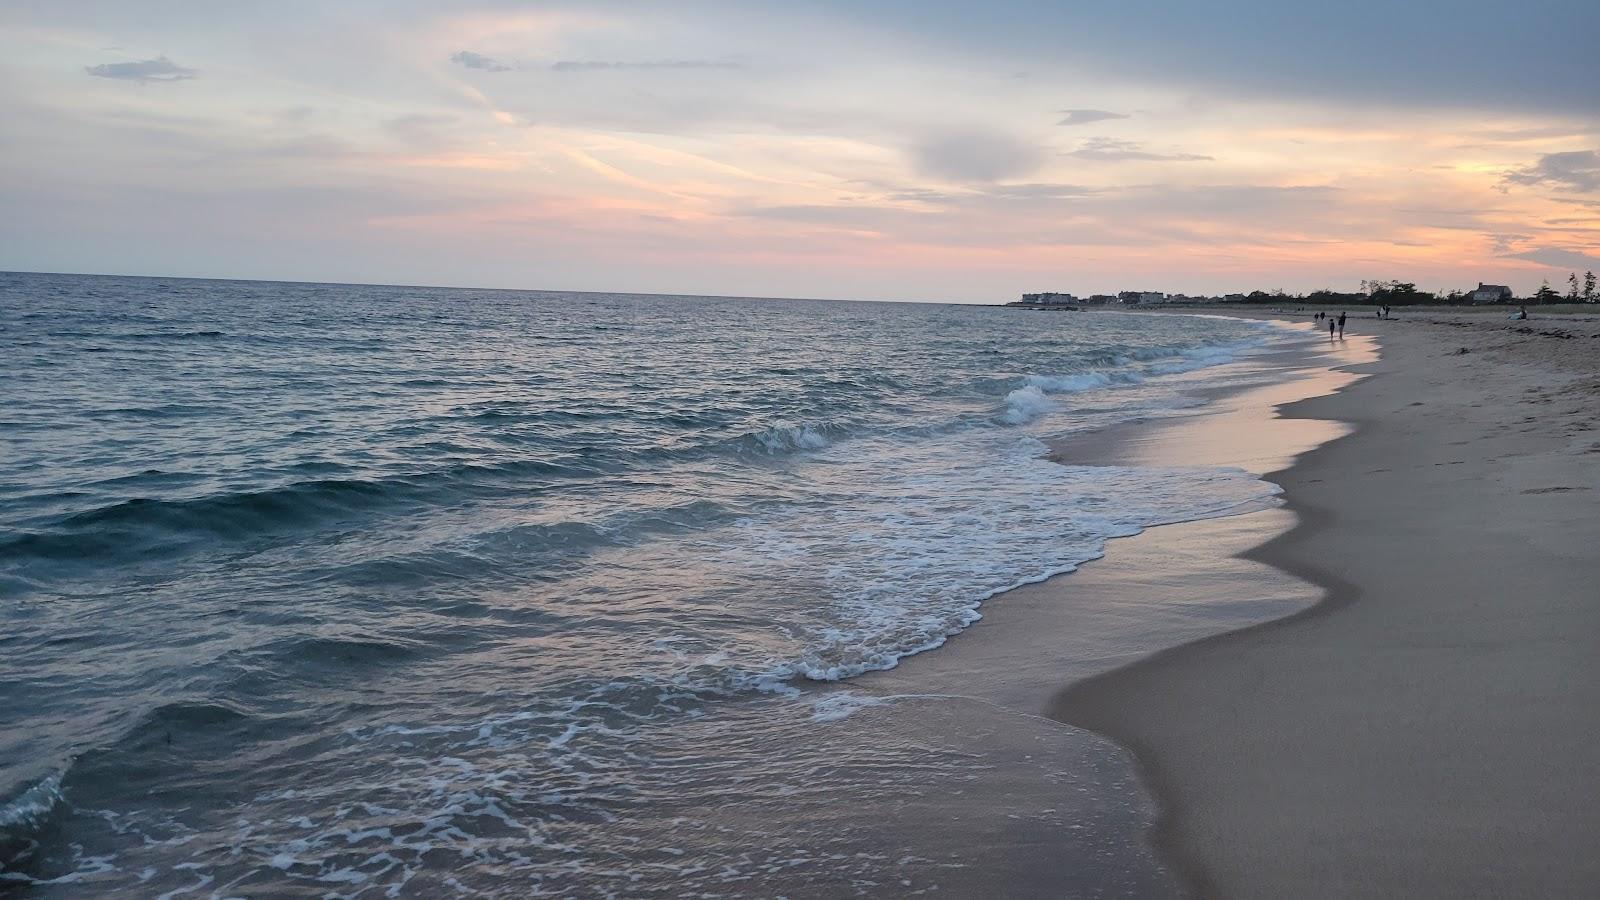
(349, 590)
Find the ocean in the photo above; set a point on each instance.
(335, 590)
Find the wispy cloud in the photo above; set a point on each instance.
(1576, 171)
(1557, 257)
(1085, 116)
(992, 194)
(478, 61)
(1111, 149)
(158, 69)
(1048, 191)
(1506, 244)
(597, 65)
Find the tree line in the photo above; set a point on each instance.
(1580, 289)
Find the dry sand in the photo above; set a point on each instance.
(1432, 727)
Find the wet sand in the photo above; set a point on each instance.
(1431, 728)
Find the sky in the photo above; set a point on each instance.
(927, 150)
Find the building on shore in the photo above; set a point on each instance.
(1491, 293)
(1049, 298)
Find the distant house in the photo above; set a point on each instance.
(1101, 300)
(1235, 298)
(1490, 293)
(1049, 298)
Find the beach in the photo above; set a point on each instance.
(1092, 605)
(1413, 712)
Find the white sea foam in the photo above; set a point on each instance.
(787, 438)
(838, 705)
(32, 805)
(1190, 360)
(1026, 404)
(1082, 381)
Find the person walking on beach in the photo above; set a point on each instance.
(1341, 326)
(1330, 329)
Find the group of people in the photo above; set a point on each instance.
(1332, 324)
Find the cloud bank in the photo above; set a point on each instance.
(1086, 116)
(1576, 171)
(477, 61)
(1111, 150)
(158, 69)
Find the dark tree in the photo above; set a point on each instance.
(1398, 293)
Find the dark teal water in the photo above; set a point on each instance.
(326, 588)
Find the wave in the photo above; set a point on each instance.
(1196, 358)
(1081, 381)
(28, 809)
(1025, 404)
(21, 820)
(911, 597)
(784, 439)
(1134, 366)
(242, 513)
(172, 335)
(346, 651)
(188, 716)
(141, 335)
(134, 526)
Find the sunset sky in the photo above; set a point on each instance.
(885, 150)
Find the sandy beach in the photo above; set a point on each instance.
(1429, 728)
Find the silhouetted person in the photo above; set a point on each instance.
(1330, 329)
(1522, 312)
(1341, 326)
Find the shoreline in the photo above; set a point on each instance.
(1225, 437)
(1169, 585)
(1439, 696)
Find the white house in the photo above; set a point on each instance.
(1491, 293)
